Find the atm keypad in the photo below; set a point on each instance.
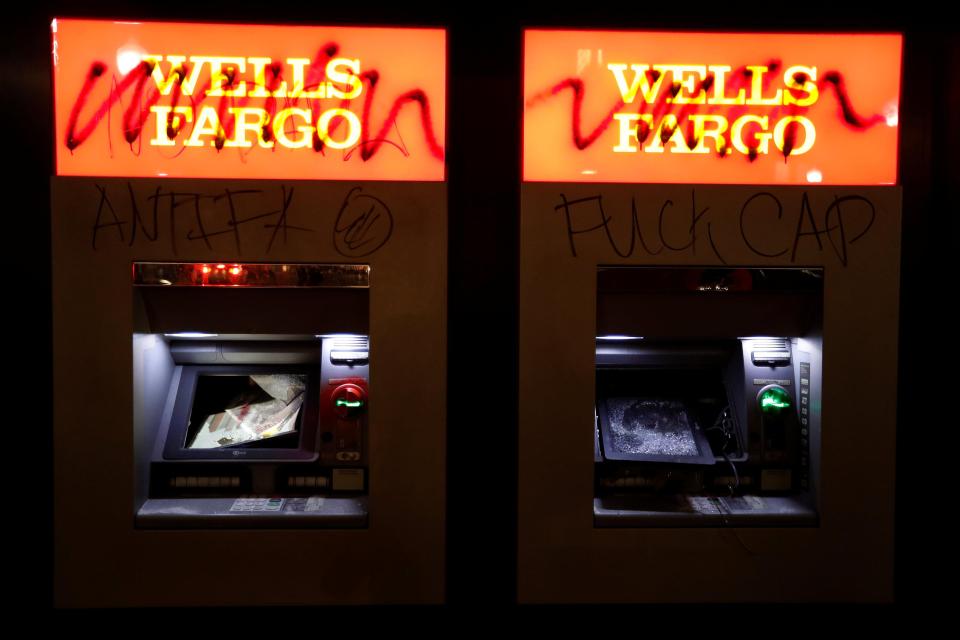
(257, 504)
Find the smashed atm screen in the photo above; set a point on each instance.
(652, 429)
(233, 410)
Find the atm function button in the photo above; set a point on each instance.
(307, 481)
(181, 482)
(348, 479)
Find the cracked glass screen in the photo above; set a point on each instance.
(651, 427)
(237, 409)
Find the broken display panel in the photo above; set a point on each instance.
(652, 430)
(231, 410)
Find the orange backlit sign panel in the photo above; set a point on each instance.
(710, 108)
(147, 99)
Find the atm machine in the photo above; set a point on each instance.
(697, 425)
(709, 256)
(249, 258)
(250, 429)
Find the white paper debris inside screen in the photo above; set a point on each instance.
(234, 409)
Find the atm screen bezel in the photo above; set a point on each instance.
(306, 449)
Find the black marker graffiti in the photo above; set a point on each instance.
(845, 221)
(837, 222)
(222, 213)
(363, 225)
(104, 206)
(696, 216)
(743, 216)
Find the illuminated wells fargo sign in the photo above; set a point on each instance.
(243, 101)
(602, 106)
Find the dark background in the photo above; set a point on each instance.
(483, 152)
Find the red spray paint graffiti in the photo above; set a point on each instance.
(135, 84)
(664, 106)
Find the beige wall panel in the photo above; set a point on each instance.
(849, 557)
(100, 557)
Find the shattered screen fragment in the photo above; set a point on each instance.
(643, 427)
(236, 409)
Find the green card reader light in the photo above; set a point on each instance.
(776, 407)
(349, 401)
(774, 400)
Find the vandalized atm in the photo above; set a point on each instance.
(698, 425)
(708, 317)
(249, 256)
(251, 429)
